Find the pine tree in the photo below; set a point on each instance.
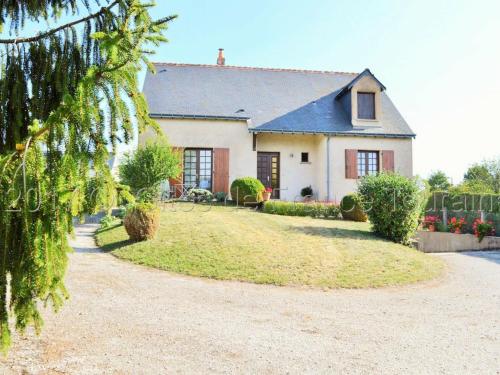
(68, 95)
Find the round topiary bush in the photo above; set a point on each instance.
(352, 208)
(393, 204)
(247, 190)
(141, 221)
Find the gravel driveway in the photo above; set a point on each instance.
(127, 319)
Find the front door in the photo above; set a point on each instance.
(268, 171)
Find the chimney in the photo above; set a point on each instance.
(221, 60)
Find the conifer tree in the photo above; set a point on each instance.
(68, 95)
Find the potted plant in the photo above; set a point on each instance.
(455, 226)
(307, 193)
(482, 229)
(431, 222)
(266, 195)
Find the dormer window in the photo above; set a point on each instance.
(366, 105)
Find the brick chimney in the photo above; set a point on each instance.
(221, 60)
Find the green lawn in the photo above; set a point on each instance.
(240, 244)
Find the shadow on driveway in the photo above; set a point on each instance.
(491, 255)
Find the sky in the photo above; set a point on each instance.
(438, 59)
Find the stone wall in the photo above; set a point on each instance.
(440, 242)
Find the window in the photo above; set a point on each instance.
(198, 168)
(368, 163)
(366, 105)
(304, 157)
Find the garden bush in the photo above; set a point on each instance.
(393, 204)
(141, 221)
(352, 208)
(200, 195)
(220, 196)
(247, 190)
(148, 167)
(316, 209)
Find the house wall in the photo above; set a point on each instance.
(211, 134)
(294, 175)
(339, 185)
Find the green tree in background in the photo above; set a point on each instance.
(67, 97)
(484, 176)
(148, 167)
(438, 181)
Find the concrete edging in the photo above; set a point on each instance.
(441, 242)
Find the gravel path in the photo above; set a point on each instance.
(127, 319)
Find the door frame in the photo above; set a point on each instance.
(198, 149)
(276, 193)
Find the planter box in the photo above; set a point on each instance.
(441, 242)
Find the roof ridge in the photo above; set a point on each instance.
(254, 68)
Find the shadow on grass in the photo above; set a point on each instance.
(111, 227)
(335, 232)
(116, 245)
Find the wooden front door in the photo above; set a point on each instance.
(268, 171)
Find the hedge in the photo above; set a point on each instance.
(314, 209)
(393, 204)
(463, 202)
(247, 190)
(352, 208)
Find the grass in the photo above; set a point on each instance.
(227, 243)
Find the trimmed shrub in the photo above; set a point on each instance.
(200, 195)
(141, 221)
(393, 204)
(352, 208)
(316, 209)
(247, 190)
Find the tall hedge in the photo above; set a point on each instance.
(393, 204)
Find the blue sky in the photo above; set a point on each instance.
(438, 59)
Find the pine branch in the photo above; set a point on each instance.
(62, 27)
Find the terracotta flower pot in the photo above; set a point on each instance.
(432, 228)
(266, 195)
(458, 231)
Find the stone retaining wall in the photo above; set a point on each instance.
(441, 242)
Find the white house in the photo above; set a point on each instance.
(289, 128)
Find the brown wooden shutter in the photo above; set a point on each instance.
(388, 160)
(351, 164)
(176, 183)
(221, 170)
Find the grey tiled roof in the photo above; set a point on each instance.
(273, 100)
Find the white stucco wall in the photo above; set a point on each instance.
(339, 185)
(294, 175)
(212, 134)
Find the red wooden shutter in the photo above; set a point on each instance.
(221, 170)
(176, 183)
(351, 164)
(388, 160)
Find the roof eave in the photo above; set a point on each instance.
(332, 133)
(197, 117)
